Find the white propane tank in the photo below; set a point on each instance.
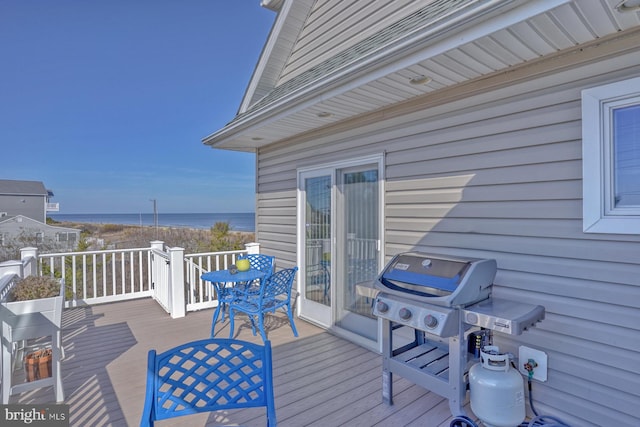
(496, 390)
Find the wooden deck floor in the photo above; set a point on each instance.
(320, 379)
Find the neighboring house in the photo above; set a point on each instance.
(23, 212)
(28, 198)
(493, 129)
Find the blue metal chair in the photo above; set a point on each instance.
(262, 262)
(266, 263)
(225, 294)
(209, 375)
(319, 275)
(274, 293)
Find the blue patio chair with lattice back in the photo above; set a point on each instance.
(274, 293)
(209, 375)
(262, 262)
(226, 294)
(266, 263)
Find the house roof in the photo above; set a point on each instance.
(22, 188)
(449, 41)
(439, 10)
(8, 219)
(277, 49)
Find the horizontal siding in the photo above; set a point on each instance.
(565, 270)
(498, 174)
(276, 222)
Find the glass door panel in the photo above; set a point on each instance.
(358, 228)
(316, 271)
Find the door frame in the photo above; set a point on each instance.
(327, 318)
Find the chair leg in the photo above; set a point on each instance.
(253, 324)
(223, 309)
(261, 326)
(293, 326)
(214, 320)
(57, 366)
(231, 317)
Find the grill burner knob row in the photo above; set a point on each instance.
(382, 306)
(430, 321)
(405, 313)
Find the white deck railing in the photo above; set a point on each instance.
(200, 293)
(94, 277)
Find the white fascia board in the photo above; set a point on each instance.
(265, 55)
(389, 61)
(274, 5)
(280, 25)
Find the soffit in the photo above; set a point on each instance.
(451, 45)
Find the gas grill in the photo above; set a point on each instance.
(435, 297)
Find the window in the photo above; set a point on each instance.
(611, 158)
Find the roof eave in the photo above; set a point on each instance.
(374, 66)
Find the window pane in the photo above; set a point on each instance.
(318, 238)
(626, 140)
(360, 192)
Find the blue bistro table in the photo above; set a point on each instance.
(221, 281)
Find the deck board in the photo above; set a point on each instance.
(320, 379)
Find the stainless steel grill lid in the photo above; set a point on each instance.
(438, 279)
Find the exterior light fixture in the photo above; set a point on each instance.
(420, 80)
(628, 6)
(323, 114)
(256, 138)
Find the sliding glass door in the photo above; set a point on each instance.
(340, 210)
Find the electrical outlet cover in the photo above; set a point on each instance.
(526, 353)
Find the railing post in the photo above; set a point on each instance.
(176, 285)
(28, 256)
(252, 248)
(157, 245)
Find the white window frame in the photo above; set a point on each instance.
(599, 214)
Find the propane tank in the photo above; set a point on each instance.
(496, 390)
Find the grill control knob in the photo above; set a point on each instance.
(405, 313)
(382, 306)
(430, 321)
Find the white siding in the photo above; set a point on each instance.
(498, 174)
(333, 26)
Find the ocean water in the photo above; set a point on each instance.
(243, 221)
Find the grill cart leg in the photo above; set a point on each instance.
(457, 363)
(387, 387)
(387, 352)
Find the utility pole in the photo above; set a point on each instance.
(155, 215)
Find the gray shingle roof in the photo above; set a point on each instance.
(8, 187)
(434, 13)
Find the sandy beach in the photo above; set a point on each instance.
(119, 236)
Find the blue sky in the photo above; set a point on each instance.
(106, 101)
